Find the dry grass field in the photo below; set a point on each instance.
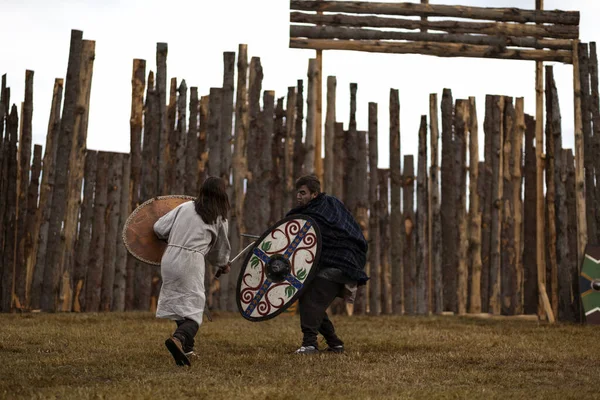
(122, 356)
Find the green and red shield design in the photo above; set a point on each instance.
(278, 268)
(589, 284)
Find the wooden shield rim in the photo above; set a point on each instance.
(134, 213)
(311, 274)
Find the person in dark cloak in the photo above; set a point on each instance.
(341, 265)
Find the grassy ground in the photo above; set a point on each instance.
(118, 355)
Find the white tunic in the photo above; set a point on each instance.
(182, 267)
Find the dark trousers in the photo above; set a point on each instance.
(313, 304)
(186, 332)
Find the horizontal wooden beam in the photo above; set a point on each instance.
(484, 28)
(433, 49)
(437, 10)
(329, 32)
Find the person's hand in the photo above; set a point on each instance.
(225, 268)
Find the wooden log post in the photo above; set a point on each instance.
(169, 150)
(582, 235)
(3, 183)
(32, 197)
(10, 213)
(496, 209)
(120, 280)
(486, 218)
(517, 175)
(569, 306)
(54, 267)
(435, 225)
(551, 168)
(256, 210)
(45, 198)
(227, 117)
(5, 97)
(179, 161)
(212, 286)
(277, 150)
(385, 242)
(361, 208)
(76, 167)
(162, 50)
(263, 174)
(319, 116)
(330, 148)
(113, 199)
(540, 209)
(299, 147)
(499, 14)
(203, 140)
(555, 37)
(151, 145)
(137, 292)
(138, 85)
(448, 208)
(339, 157)
(191, 152)
(241, 131)
(530, 282)
(396, 241)
(24, 162)
(213, 140)
(214, 132)
(311, 118)
(595, 109)
(318, 124)
(564, 311)
(350, 149)
(433, 49)
(422, 235)
(288, 155)
(481, 190)
(253, 218)
(509, 250)
(82, 248)
(93, 280)
(409, 237)
(351, 185)
(374, 209)
(461, 126)
(474, 215)
(588, 162)
(239, 165)
(573, 236)
(494, 35)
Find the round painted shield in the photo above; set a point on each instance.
(138, 232)
(278, 268)
(589, 285)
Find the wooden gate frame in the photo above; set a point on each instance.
(513, 33)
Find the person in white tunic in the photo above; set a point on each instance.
(195, 231)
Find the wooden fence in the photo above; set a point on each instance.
(450, 234)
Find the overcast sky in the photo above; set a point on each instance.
(35, 35)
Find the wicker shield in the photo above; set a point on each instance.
(278, 268)
(589, 285)
(138, 232)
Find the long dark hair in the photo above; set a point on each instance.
(212, 200)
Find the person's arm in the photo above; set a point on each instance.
(162, 227)
(221, 249)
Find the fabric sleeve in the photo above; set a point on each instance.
(221, 249)
(163, 226)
